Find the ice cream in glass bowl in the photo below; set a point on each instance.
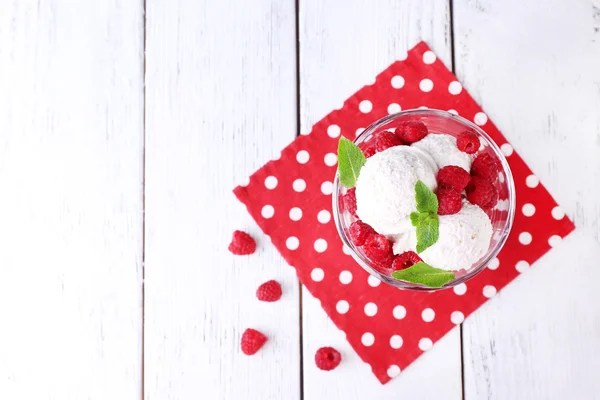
(423, 199)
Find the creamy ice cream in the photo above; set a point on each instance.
(442, 148)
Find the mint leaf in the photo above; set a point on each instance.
(415, 218)
(426, 200)
(428, 231)
(350, 160)
(424, 274)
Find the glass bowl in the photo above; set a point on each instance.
(501, 215)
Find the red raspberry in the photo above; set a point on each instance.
(405, 260)
(485, 166)
(359, 232)
(327, 358)
(385, 140)
(379, 250)
(368, 148)
(449, 201)
(412, 131)
(482, 193)
(269, 291)
(453, 177)
(242, 244)
(468, 142)
(349, 200)
(252, 341)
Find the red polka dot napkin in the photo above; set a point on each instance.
(290, 199)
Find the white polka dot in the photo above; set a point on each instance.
(330, 159)
(528, 210)
(426, 85)
(554, 240)
(317, 274)
(333, 131)
(359, 131)
(326, 188)
(457, 317)
(480, 118)
(323, 216)
(494, 264)
(394, 108)
(453, 112)
(305, 133)
(424, 107)
(292, 243)
(507, 149)
(460, 289)
(367, 339)
(345, 277)
(558, 213)
(399, 312)
(277, 156)
(346, 250)
(370, 309)
(397, 82)
(402, 56)
(373, 282)
(454, 87)
(271, 182)
(299, 185)
(522, 266)
(267, 211)
(396, 341)
(525, 238)
(489, 291)
(393, 371)
(245, 182)
(532, 181)
(428, 315)
(295, 214)
(320, 245)
(342, 306)
(302, 156)
(425, 344)
(365, 106)
(429, 57)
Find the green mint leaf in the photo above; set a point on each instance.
(425, 275)
(350, 160)
(415, 218)
(428, 231)
(426, 200)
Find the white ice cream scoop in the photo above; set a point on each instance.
(442, 148)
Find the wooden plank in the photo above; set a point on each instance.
(221, 102)
(71, 151)
(344, 45)
(535, 67)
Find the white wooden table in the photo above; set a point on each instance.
(124, 125)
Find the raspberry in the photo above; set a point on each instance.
(368, 148)
(349, 200)
(468, 142)
(327, 358)
(412, 131)
(252, 341)
(449, 201)
(482, 193)
(269, 291)
(385, 140)
(359, 232)
(379, 250)
(453, 177)
(405, 260)
(485, 166)
(242, 244)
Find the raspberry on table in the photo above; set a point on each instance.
(252, 341)
(385, 140)
(349, 201)
(454, 177)
(405, 260)
(379, 250)
(485, 166)
(411, 131)
(269, 291)
(359, 232)
(482, 193)
(468, 142)
(242, 244)
(327, 358)
(449, 201)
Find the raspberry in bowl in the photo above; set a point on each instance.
(423, 199)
